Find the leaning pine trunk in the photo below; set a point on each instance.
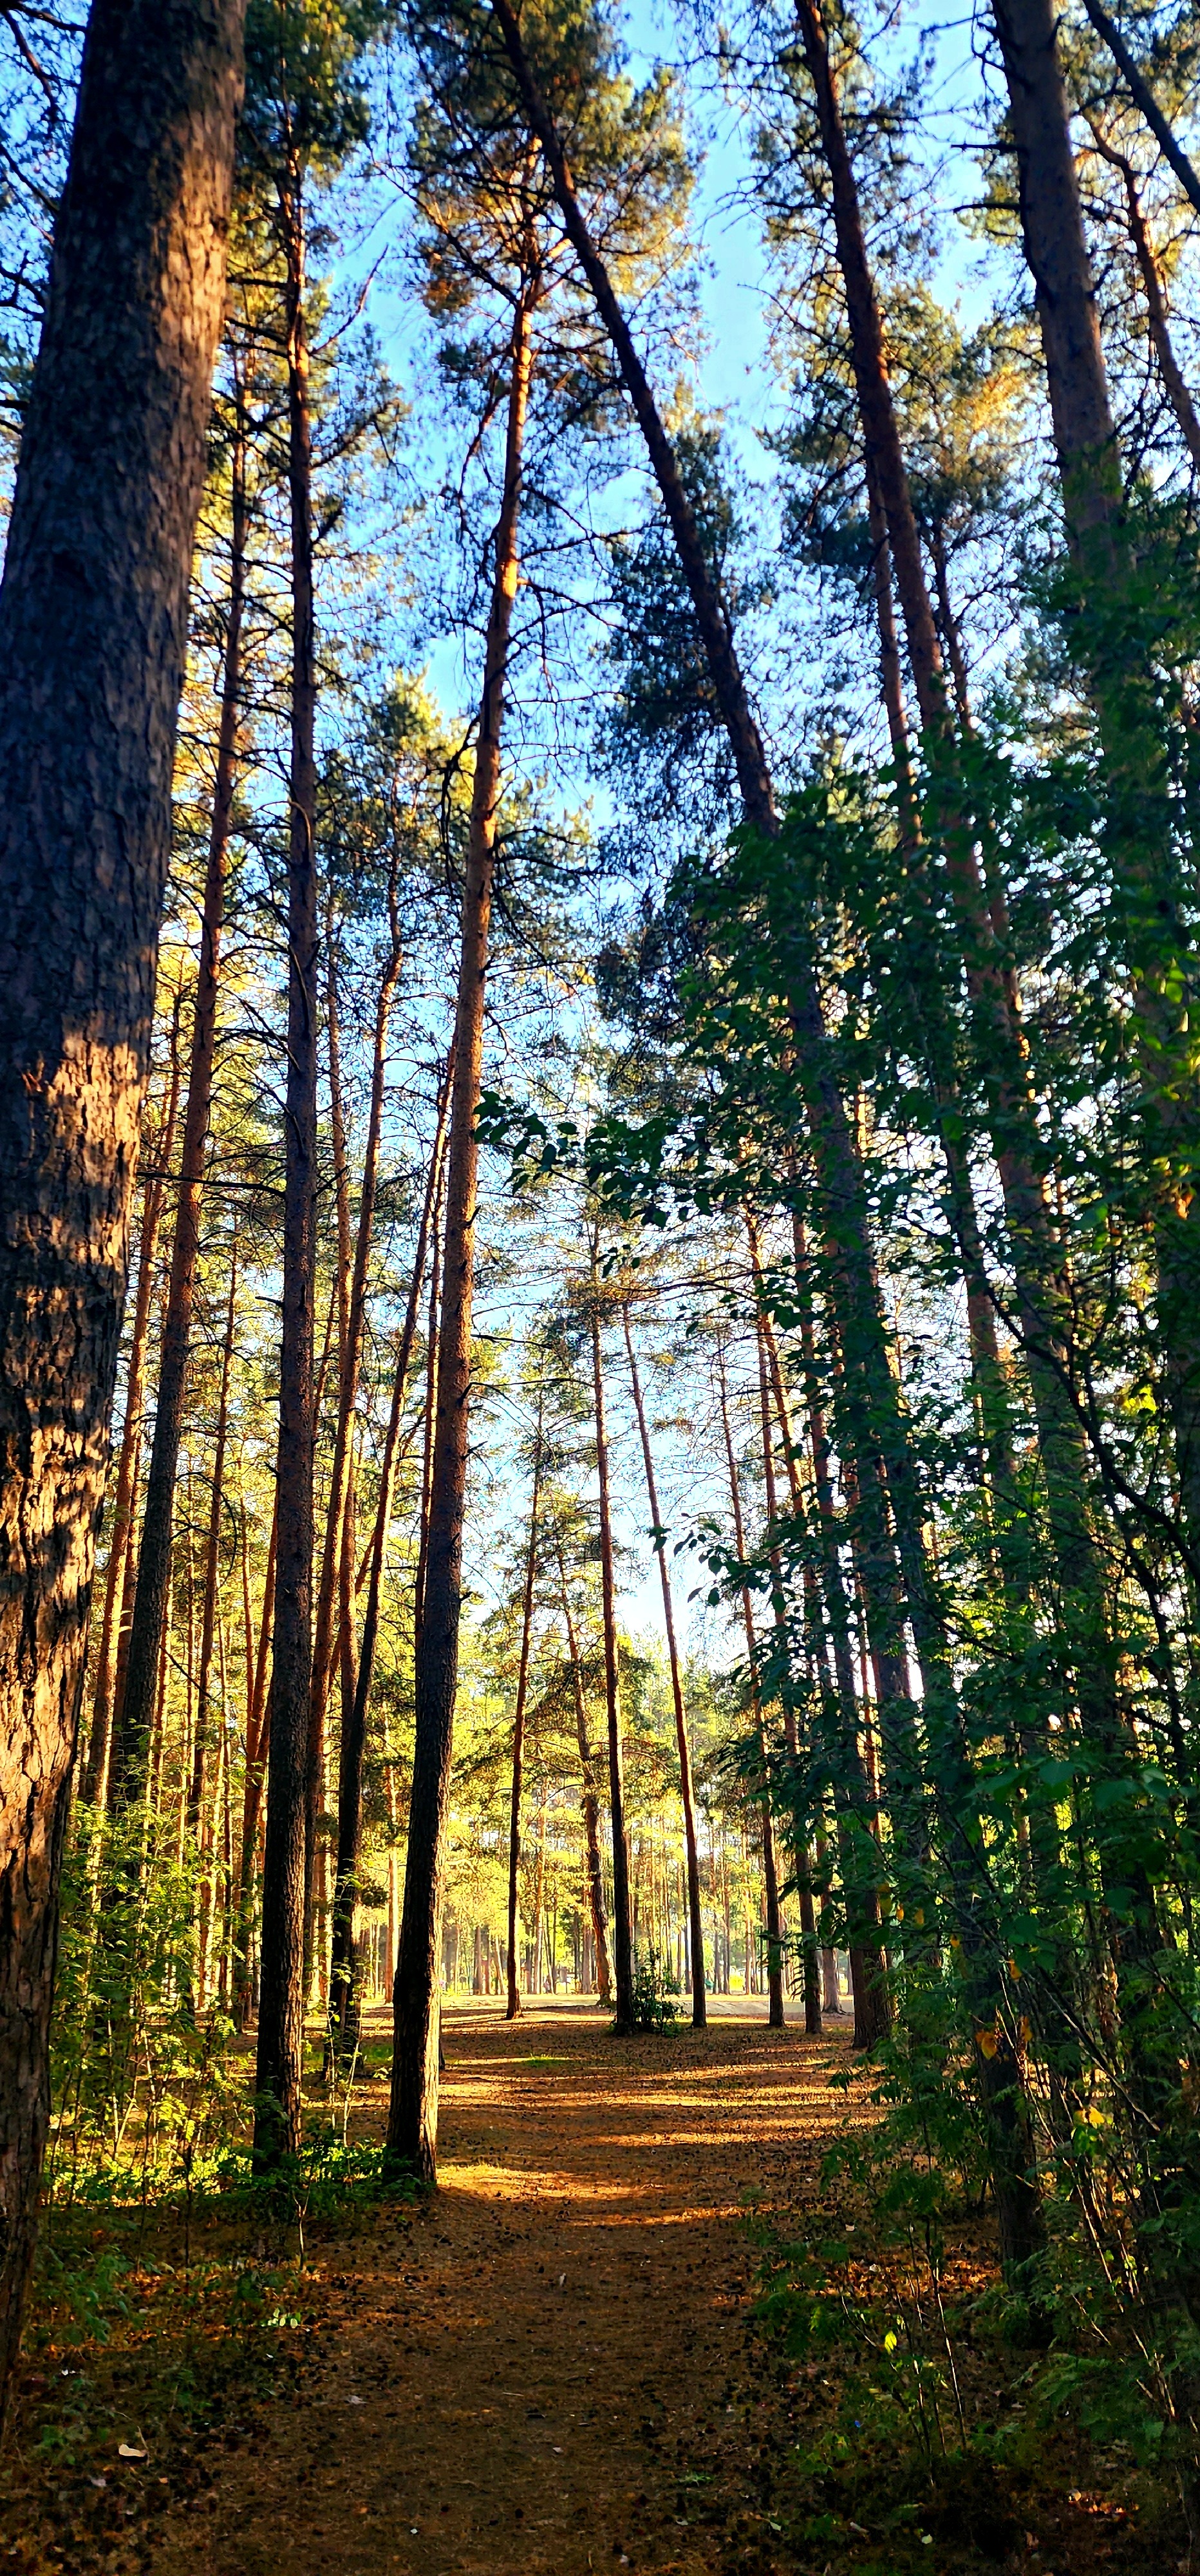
(412, 2122)
(93, 634)
(281, 2005)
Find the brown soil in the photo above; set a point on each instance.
(544, 2366)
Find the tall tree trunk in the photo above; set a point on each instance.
(338, 1527)
(770, 1374)
(257, 1720)
(354, 1733)
(93, 634)
(854, 1797)
(136, 1703)
(622, 1930)
(95, 1779)
(695, 1916)
(591, 1817)
(871, 1418)
(212, 1569)
(412, 2122)
(518, 1751)
(775, 2012)
(281, 2001)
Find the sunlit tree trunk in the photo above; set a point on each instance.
(621, 1925)
(412, 2122)
(518, 1749)
(594, 1864)
(93, 634)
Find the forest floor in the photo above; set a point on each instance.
(558, 2363)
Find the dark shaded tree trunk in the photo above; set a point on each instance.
(136, 1704)
(412, 2120)
(281, 1999)
(110, 1664)
(695, 1915)
(93, 634)
(518, 1751)
(257, 1740)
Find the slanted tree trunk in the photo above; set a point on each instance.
(95, 1779)
(622, 1929)
(1174, 384)
(871, 1418)
(281, 2001)
(93, 634)
(695, 1916)
(518, 1751)
(412, 2121)
(136, 1702)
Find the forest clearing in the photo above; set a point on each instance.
(599, 1286)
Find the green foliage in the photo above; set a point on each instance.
(655, 1988)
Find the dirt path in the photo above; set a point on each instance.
(545, 2367)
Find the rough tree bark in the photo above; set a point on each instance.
(412, 2120)
(93, 633)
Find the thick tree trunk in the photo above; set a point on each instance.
(412, 2122)
(93, 634)
(95, 1780)
(590, 1802)
(622, 1929)
(136, 1703)
(695, 1915)
(281, 2001)
(518, 1751)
